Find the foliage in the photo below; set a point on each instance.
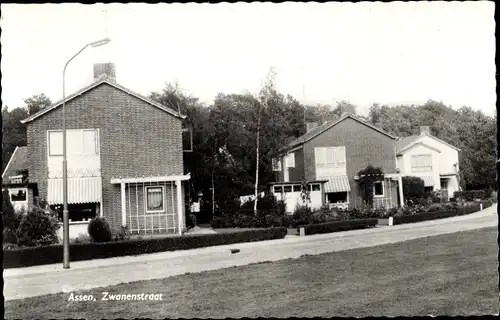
(123, 234)
(413, 189)
(25, 257)
(367, 177)
(10, 218)
(38, 227)
(337, 226)
(471, 195)
(302, 215)
(470, 130)
(99, 230)
(82, 238)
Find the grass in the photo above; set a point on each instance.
(454, 274)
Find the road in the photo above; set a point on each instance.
(41, 280)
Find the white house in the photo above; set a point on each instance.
(432, 159)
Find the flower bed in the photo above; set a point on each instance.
(31, 256)
(337, 226)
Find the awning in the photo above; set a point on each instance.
(80, 190)
(428, 181)
(337, 184)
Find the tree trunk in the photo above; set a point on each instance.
(257, 168)
(213, 195)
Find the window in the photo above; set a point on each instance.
(278, 189)
(378, 189)
(276, 164)
(18, 195)
(335, 197)
(330, 157)
(297, 188)
(287, 189)
(78, 141)
(55, 143)
(315, 187)
(154, 199)
(290, 160)
(421, 163)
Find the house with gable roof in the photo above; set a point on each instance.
(124, 157)
(329, 158)
(431, 159)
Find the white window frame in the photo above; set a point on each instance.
(146, 199)
(276, 164)
(419, 169)
(320, 157)
(383, 189)
(290, 160)
(97, 142)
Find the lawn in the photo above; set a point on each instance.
(454, 274)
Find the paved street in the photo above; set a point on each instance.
(40, 280)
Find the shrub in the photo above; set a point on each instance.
(413, 189)
(219, 222)
(9, 236)
(191, 221)
(392, 212)
(10, 218)
(470, 195)
(123, 234)
(339, 226)
(436, 207)
(302, 215)
(86, 251)
(99, 230)
(82, 238)
(37, 227)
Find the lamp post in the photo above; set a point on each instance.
(65, 168)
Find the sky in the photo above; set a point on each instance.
(388, 53)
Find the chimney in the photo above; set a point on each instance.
(105, 69)
(425, 129)
(310, 126)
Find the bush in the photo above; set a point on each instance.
(413, 189)
(339, 226)
(302, 215)
(25, 257)
(99, 230)
(9, 236)
(424, 216)
(37, 227)
(123, 234)
(82, 238)
(470, 195)
(436, 207)
(10, 218)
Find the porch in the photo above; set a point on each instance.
(152, 205)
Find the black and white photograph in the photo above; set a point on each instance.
(257, 160)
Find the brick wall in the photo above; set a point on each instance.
(136, 139)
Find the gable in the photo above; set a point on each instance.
(327, 126)
(95, 85)
(418, 144)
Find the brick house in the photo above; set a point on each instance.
(124, 157)
(329, 157)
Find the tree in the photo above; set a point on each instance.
(413, 189)
(37, 102)
(13, 132)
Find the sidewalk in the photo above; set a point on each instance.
(46, 279)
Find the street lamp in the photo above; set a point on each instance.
(65, 168)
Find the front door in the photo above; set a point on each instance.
(444, 189)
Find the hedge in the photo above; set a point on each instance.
(423, 216)
(470, 195)
(25, 257)
(339, 226)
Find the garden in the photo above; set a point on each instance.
(419, 206)
(30, 238)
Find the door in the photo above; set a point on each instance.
(444, 189)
